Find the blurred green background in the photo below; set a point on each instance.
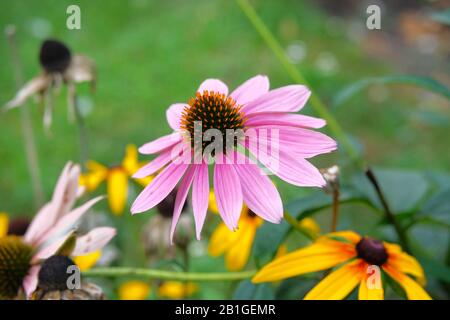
(150, 54)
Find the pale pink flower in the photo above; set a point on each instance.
(55, 223)
(250, 107)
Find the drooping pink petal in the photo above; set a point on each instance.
(174, 113)
(40, 224)
(160, 144)
(302, 142)
(251, 89)
(284, 119)
(50, 248)
(200, 197)
(228, 193)
(154, 165)
(285, 99)
(95, 240)
(159, 188)
(64, 198)
(181, 197)
(30, 282)
(68, 221)
(260, 194)
(289, 167)
(213, 85)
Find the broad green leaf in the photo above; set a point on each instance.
(438, 206)
(424, 82)
(249, 291)
(435, 268)
(442, 16)
(403, 189)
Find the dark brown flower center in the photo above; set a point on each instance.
(372, 251)
(15, 259)
(54, 56)
(54, 273)
(212, 110)
(18, 226)
(165, 207)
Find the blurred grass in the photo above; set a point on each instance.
(150, 54)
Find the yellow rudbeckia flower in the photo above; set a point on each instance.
(87, 261)
(237, 245)
(134, 290)
(360, 259)
(116, 178)
(4, 220)
(176, 290)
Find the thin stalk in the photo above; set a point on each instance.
(315, 100)
(114, 272)
(296, 226)
(403, 239)
(26, 124)
(82, 133)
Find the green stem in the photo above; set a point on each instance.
(296, 226)
(168, 275)
(316, 102)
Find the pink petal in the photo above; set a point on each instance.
(40, 224)
(154, 165)
(181, 198)
(284, 119)
(285, 99)
(30, 282)
(303, 142)
(69, 220)
(228, 192)
(214, 85)
(260, 194)
(160, 144)
(251, 89)
(95, 240)
(48, 250)
(289, 167)
(159, 188)
(200, 197)
(174, 113)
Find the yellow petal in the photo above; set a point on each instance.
(338, 284)
(176, 290)
(371, 287)
(320, 255)
(404, 263)
(282, 251)
(87, 261)
(212, 203)
(144, 181)
(311, 225)
(130, 161)
(94, 166)
(413, 290)
(221, 240)
(350, 236)
(117, 190)
(4, 221)
(237, 256)
(134, 290)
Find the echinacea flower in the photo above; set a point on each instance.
(359, 260)
(267, 121)
(49, 232)
(237, 245)
(176, 290)
(58, 66)
(116, 178)
(134, 290)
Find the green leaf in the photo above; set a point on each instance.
(424, 82)
(403, 189)
(438, 206)
(435, 268)
(249, 291)
(442, 16)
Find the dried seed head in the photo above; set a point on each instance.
(53, 274)
(18, 226)
(54, 56)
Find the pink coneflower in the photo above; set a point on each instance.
(53, 226)
(267, 120)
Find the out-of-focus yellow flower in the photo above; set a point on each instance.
(212, 203)
(360, 261)
(87, 261)
(134, 290)
(237, 245)
(310, 225)
(116, 178)
(4, 220)
(176, 290)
